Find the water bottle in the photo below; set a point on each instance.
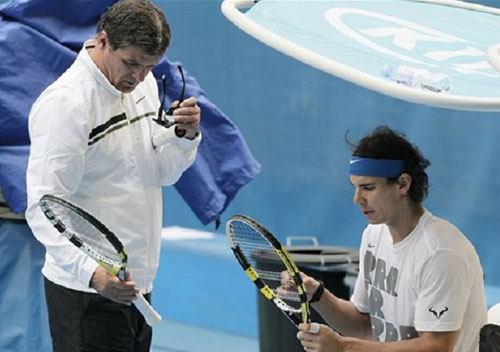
(417, 77)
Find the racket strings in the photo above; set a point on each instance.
(269, 275)
(87, 232)
(265, 260)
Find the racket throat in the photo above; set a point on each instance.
(293, 317)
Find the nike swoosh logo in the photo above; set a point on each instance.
(353, 161)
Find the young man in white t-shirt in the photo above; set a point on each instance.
(420, 285)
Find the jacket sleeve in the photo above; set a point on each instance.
(174, 155)
(55, 166)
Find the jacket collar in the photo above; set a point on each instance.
(95, 71)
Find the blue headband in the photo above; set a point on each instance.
(359, 166)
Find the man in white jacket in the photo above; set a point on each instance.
(94, 142)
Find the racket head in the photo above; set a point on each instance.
(87, 233)
(266, 262)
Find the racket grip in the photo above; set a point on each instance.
(151, 316)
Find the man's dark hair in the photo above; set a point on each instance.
(384, 143)
(137, 23)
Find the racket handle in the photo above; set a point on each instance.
(151, 316)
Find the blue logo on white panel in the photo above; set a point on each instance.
(407, 40)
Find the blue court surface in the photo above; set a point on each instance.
(206, 301)
(178, 337)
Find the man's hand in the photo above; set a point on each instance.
(187, 116)
(310, 283)
(111, 287)
(325, 340)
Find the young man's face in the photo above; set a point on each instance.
(125, 67)
(379, 200)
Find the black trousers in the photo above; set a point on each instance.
(89, 322)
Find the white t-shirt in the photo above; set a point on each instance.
(430, 281)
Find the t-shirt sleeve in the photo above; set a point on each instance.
(444, 290)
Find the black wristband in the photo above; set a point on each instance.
(318, 293)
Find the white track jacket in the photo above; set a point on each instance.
(92, 144)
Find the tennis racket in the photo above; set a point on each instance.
(94, 239)
(266, 261)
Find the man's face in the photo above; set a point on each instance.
(379, 200)
(126, 67)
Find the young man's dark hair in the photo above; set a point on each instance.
(384, 143)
